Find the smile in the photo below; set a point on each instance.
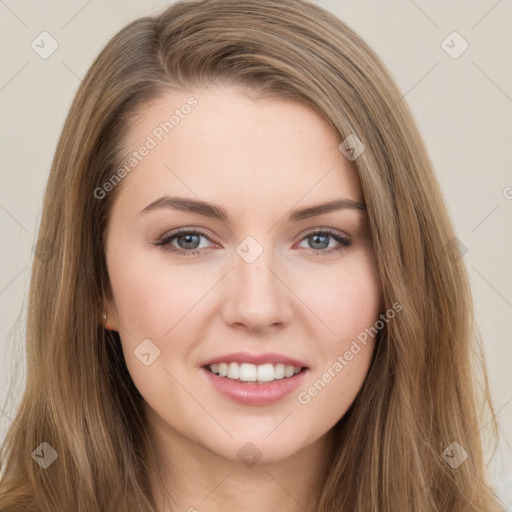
(247, 372)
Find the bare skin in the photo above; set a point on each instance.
(301, 297)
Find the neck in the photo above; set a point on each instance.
(188, 477)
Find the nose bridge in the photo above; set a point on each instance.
(256, 297)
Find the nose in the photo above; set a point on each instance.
(255, 296)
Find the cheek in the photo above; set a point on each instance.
(347, 298)
(349, 302)
(150, 297)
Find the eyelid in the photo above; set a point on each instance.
(189, 230)
(330, 231)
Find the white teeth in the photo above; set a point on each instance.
(223, 369)
(247, 372)
(233, 371)
(288, 371)
(265, 372)
(279, 371)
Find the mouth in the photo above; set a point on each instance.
(259, 374)
(254, 379)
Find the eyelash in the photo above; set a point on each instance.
(164, 242)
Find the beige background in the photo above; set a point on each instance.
(463, 107)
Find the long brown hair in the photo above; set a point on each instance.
(419, 396)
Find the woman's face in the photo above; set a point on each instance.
(258, 281)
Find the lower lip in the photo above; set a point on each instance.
(251, 393)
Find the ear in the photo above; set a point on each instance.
(110, 316)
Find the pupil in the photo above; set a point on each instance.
(189, 239)
(316, 238)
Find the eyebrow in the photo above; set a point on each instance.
(214, 211)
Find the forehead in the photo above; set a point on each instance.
(222, 144)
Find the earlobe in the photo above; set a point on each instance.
(107, 317)
(109, 326)
(105, 323)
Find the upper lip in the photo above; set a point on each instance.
(256, 359)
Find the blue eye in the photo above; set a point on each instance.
(319, 241)
(188, 242)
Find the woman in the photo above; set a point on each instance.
(252, 298)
